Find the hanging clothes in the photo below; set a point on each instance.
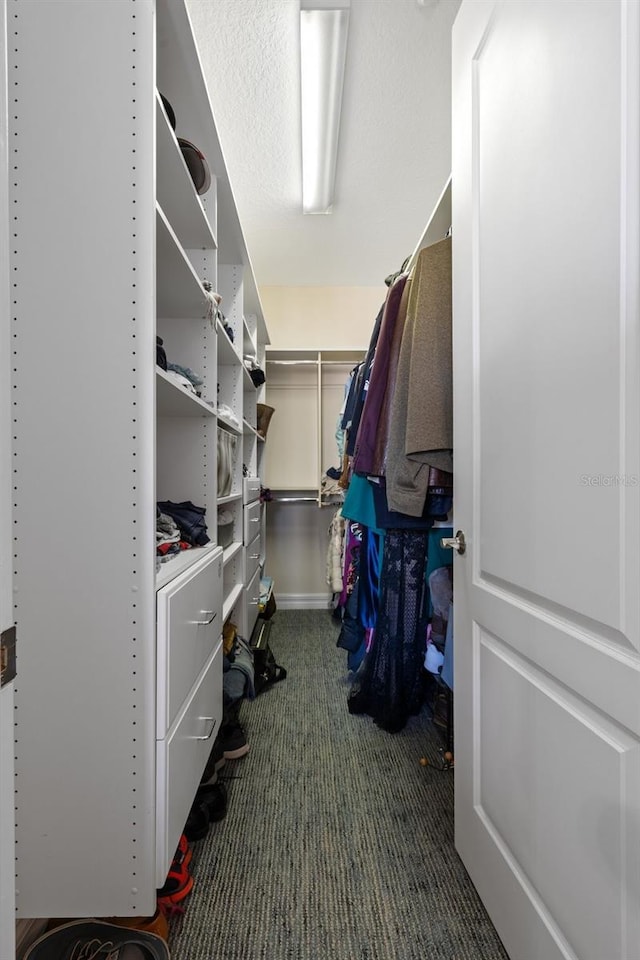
(335, 553)
(363, 384)
(389, 683)
(421, 427)
(367, 439)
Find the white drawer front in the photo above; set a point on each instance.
(189, 625)
(181, 759)
(252, 520)
(252, 558)
(251, 489)
(252, 599)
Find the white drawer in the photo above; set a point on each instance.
(251, 489)
(252, 600)
(252, 558)
(189, 613)
(252, 518)
(181, 759)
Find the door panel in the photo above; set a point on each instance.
(7, 814)
(547, 373)
(539, 139)
(567, 820)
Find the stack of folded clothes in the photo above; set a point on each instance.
(189, 519)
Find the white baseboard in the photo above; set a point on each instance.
(303, 601)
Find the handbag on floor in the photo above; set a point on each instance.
(266, 671)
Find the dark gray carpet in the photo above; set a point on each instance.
(337, 842)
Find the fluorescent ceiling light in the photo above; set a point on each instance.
(323, 47)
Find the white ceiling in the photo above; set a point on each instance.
(394, 154)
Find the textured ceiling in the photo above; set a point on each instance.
(394, 152)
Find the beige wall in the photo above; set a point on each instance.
(322, 318)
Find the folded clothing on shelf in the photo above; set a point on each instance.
(224, 410)
(181, 381)
(186, 372)
(189, 518)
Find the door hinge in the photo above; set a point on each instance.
(8, 654)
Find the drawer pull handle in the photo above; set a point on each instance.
(254, 520)
(254, 556)
(255, 600)
(208, 736)
(206, 613)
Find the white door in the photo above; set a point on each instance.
(546, 106)
(7, 864)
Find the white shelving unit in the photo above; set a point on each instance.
(306, 387)
(120, 691)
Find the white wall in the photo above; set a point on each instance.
(327, 318)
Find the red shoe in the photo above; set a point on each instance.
(184, 853)
(177, 886)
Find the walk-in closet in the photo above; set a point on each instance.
(320, 480)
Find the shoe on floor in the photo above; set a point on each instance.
(234, 742)
(214, 798)
(197, 825)
(95, 938)
(215, 761)
(184, 853)
(157, 924)
(177, 886)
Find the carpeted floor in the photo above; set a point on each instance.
(337, 843)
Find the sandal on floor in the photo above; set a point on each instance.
(95, 938)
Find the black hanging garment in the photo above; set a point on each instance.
(389, 683)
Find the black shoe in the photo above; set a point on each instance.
(213, 797)
(197, 825)
(215, 761)
(94, 938)
(234, 742)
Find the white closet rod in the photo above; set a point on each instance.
(298, 363)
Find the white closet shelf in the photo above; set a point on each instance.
(179, 292)
(230, 499)
(248, 382)
(175, 190)
(230, 552)
(172, 400)
(227, 353)
(228, 425)
(231, 600)
(249, 429)
(181, 562)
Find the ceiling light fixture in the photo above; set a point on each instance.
(324, 26)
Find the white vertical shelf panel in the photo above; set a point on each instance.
(7, 833)
(83, 321)
(186, 463)
(230, 287)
